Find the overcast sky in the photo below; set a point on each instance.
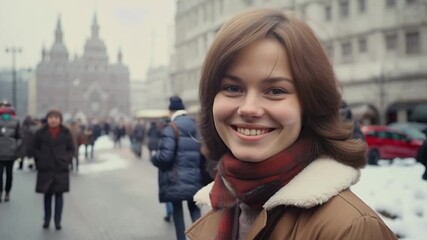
(140, 27)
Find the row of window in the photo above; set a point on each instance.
(391, 43)
(344, 7)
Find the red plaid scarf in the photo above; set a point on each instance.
(253, 183)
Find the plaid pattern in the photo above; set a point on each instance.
(253, 183)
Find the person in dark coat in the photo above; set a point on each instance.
(178, 159)
(137, 138)
(10, 142)
(153, 134)
(54, 150)
(93, 132)
(26, 144)
(422, 156)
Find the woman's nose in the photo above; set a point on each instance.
(250, 107)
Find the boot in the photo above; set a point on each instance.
(7, 197)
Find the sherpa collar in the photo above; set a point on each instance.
(315, 185)
(178, 113)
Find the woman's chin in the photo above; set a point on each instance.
(249, 156)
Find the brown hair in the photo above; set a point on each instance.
(312, 73)
(54, 112)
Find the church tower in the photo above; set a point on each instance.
(95, 52)
(58, 51)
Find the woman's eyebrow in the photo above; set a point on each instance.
(265, 80)
(232, 77)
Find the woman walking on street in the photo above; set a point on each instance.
(54, 150)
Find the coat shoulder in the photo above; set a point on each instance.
(345, 215)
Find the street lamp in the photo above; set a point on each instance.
(14, 51)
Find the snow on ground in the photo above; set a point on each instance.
(397, 190)
(104, 160)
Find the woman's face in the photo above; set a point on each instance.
(257, 112)
(53, 120)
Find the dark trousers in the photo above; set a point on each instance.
(59, 204)
(21, 163)
(77, 162)
(178, 217)
(91, 150)
(8, 165)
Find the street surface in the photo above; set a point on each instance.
(112, 197)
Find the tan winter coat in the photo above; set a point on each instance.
(321, 206)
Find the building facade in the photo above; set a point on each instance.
(86, 84)
(158, 87)
(378, 48)
(23, 79)
(138, 93)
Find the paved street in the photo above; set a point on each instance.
(113, 197)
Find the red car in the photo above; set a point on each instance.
(387, 143)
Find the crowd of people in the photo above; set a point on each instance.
(51, 147)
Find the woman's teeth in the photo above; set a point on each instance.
(251, 132)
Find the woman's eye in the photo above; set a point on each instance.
(232, 89)
(276, 91)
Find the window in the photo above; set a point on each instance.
(362, 5)
(412, 42)
(363, 45)
(346, 49)
(344, 8)
(391, 3)
(328, 12)
(391, 41)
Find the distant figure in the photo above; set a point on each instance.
(137, 138)
(76, 134)
(10, 142)
(93, 132)
(178, 159)
(119, 132)
(26, 143)
(54, 151)
(154, 133)
(422, 156)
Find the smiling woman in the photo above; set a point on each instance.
(270, 113)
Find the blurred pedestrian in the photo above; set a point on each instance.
(92, 132)
(178, 160)
(76, 134)
(119, 131)
(270, 112)
(54, 150)
(10, 142)
(26, 141)
(422, 156)
(153, 134)
(137, 138)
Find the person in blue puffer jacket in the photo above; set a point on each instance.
(178, 159)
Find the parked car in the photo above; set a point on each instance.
(388, 143)
(413, 129)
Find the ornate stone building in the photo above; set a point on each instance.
(88, 84)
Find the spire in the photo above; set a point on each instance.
(119, 56)
(58, 31)
(95, 27)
